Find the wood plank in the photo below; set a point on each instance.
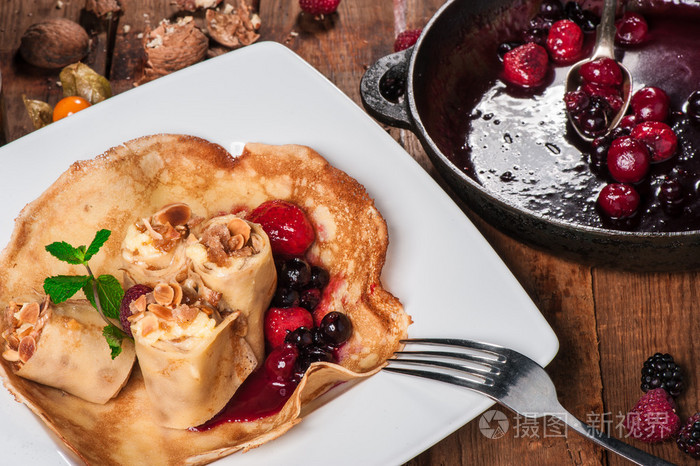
(20, 78)
(638, 315)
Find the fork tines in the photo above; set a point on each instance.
(470, 364)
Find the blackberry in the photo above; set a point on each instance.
(688, 439)
(660, 371)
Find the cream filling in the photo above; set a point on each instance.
(139, 248)
(182, 336)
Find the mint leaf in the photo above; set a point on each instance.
(110, 293)
(67, 253)
(62, 287)
(100, 238)
(89, 293)
(114, 337)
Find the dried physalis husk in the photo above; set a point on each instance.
(233, 28)
(39, 112)
(81, 80)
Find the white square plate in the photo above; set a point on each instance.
(445, 273)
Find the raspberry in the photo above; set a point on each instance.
(406, 39)
(659, 137)
(660, 371)
(286, 225)
(653, 419)
(124, 309)
(526, 66)
(280, 321)
(565, 41)
(602, 71)
(689, 436)
(319, 7)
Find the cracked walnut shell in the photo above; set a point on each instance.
(173, 46)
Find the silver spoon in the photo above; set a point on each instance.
(604, 47)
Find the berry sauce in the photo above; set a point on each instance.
(256, 398)
(519, 145)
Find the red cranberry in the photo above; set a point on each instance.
(280, 362)
(565, 41)
(650, 104)
(576, 101)
(602, 71)
(526, 66)
(618, 200)
(632, 29)
(659, 137)
(693, 106)
(628, 121)
(628, 160)
(131, 294)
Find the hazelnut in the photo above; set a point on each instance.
(54, 43)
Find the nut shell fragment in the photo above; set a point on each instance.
(54, 43)
(173, 46)
(193, 5)
(235, 29)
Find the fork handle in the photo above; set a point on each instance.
(625, 450)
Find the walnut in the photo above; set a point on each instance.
(192, 5)
(173, 46)
(54, 43)
(233, 28)
(102, 8)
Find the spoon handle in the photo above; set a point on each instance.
(605, 39)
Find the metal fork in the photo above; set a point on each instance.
(508, 377)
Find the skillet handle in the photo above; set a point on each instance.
(386, 111)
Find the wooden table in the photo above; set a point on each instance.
(607, 321)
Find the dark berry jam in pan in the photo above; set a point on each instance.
(519, 146)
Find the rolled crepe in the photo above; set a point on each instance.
(153, 249)
(62, 346)
(192, 361)
(233, 256)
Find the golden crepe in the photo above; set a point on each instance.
(134, 180)
(62, 346)
(191, 359)
(244, 272)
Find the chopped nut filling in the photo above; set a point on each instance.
(161, 316)
(25, 321)
(233, 239)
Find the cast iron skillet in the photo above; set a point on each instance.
(463, 35)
